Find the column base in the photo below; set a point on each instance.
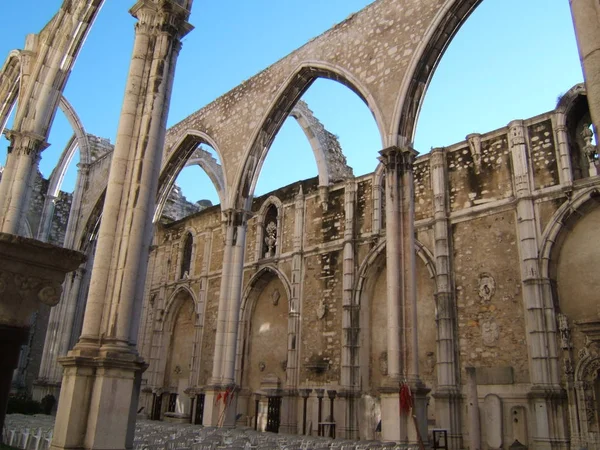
(289, 412)
(217, 412)
(400, 426)
(549, 404)
(448, 401)
(98, 402)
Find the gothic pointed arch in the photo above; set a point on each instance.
(448, 20)
(184, 152)
(331, 162)
(10, 75)
(370, 298)
(289, 94)
(174, 302)
(559, 227)
(269, 226)
(268, 281)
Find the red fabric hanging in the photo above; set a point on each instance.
(406, 400)
(219, 395)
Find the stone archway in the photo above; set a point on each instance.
(371, 293)
(180, 336)
(570, 248)
(264, 347)
(281, 107)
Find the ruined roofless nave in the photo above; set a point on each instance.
(465, 275)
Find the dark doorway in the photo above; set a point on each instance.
(273, 414)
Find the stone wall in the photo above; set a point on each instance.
(486, 260)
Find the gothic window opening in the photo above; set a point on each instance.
(270, 229)
(186, 257)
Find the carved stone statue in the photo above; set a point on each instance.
(270, 239)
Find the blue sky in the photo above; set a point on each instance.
(511, 60)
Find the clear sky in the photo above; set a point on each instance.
(511, 60)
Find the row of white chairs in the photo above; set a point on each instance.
(35, 433)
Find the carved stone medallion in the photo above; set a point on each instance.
(490, 333)
(486, 286)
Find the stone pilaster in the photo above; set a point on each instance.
(540, 321)
(402, 339)
(350, 376)
(235, 224)
(565, 173)
(102, 375)
(447, 395)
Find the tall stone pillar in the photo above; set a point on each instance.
(402, 339)
(586, 19)
(223, 376)
(540, 319)
(350, 377)
(289, 405)
(24, 153)
(45, 65)
(448, 393)
(102, 374)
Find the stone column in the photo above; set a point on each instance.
(539, 309)
(448, 394)
(586, 19)
(289, 406)
(102, 375)
(565, 174)
(402, 339)
(24, 153)
(350, 376)
(223, 375)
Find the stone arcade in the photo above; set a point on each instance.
(467, 273)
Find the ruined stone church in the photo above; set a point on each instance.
(465, 276)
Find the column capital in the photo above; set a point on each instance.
(169, 16)
(516, 133)
(236, 217)
(398, 158)
(25, 143)
(437, 157)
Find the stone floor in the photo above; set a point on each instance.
(35, 433)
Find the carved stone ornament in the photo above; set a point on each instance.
(275, 296)
(321, 309)
(565, 332)
(486, 286)
(474, 141)
(490, 333)
(31, 272)
(270, 239)
(262, 366)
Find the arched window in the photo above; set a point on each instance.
(186, 256)
(270, 230)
